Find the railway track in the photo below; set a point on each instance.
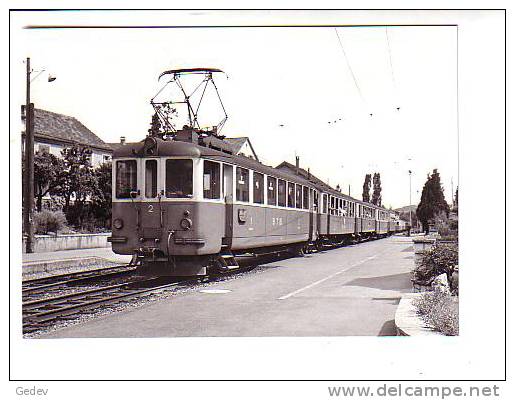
(40, 313)
(46, 286)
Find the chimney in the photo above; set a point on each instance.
(297, 165)
(122, 139)
(309, 174)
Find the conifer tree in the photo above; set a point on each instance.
(156, 129)
(366, 188)
(376, 194)
(432, 201)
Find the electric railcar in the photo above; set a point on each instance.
(186, 207)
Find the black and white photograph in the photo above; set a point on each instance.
(258, 195)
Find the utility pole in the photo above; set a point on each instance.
(409, 229)
(452, 192)
(29, 167)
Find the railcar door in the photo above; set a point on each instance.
(227, 188)
(151, 210)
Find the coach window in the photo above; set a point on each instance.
(271, 191)
(259, 190)
(324, 204)
(298, 196)
(179, 178)
(150, 178)
(291, 195)
(211, 180)
(305, 197)
(331, 207)
(126, 178)
(281, 193)
(242, 184)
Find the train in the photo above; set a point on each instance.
(185, 204)
(188, 206)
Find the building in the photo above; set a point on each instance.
(54, 132)
(242, 147)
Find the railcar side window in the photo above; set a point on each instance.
(126, 178)
(242, 184)
(211, 180)
(150, 178)
(281, 193)
(291, 195)
(324, 204)
(259, 188)
(305, 197)
(298, 196)
(271, 191)
(331, 208)
(179, 178)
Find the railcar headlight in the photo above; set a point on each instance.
(186, 224)
(118, 223)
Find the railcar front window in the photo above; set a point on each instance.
(211, 180)
(179, 178)
(126, 178)
(150, 178)
(259, 191)
(271, 191)
(281, 193)
(242, 184)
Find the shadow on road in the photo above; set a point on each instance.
(388, 329)
(387, 282)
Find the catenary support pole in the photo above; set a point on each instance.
(29, 167)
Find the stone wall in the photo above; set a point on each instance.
(46, 243)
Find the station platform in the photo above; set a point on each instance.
(353, 290)
(39, 265)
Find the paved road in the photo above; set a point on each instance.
(348, 291)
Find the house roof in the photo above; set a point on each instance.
(65, 129)
(238, 142)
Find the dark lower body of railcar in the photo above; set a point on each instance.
(187, 238)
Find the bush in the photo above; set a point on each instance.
(49, 221)
(441, 258)
(440, 311)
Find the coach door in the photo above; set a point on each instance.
(227, 188)
(313, 211)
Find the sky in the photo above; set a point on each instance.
(283, 87)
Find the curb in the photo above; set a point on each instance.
(43, 269)
(407, 321)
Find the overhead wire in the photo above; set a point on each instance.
(391, 64)
(350, 68)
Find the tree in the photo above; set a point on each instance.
(78, 182)
(456, 200)
(376, 194)
(156, 129)
(432, 201)
(366, 188)
(101, 197)
(48, 176)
